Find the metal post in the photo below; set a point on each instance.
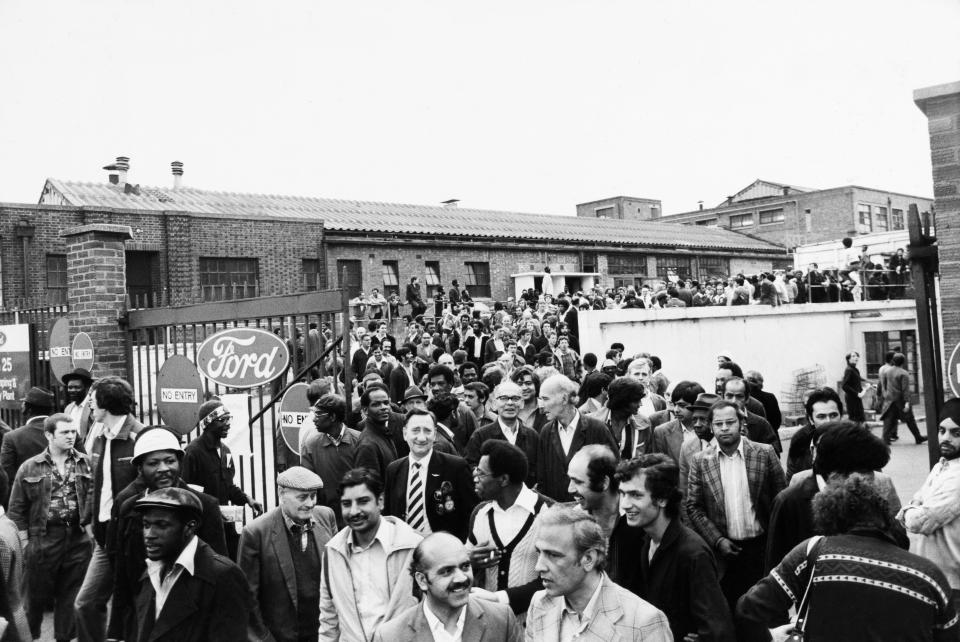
(345, 330)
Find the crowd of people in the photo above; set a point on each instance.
(483, 481)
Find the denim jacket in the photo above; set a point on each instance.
(30, 498)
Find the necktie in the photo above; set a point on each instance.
(301, 530)
(415, 498)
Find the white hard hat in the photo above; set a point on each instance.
(154, 439)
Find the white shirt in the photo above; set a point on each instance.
(933, 516)
(510, 433)
(368, 568)
(162, 587)
(741, 518)
(566, 434)
(509, 522)
(437, 628)
(424, 463)
(106, 492)
(572, 624)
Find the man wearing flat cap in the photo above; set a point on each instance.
(933, 515)
(26, 441)
(156, 456)
(280, 554)
(188, 593)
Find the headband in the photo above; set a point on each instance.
(216, 413)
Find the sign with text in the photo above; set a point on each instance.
(61, 354)
(296, 418)
(14, 364)
(179, 393)
(953, 371)
(243, 357)
(82, 351)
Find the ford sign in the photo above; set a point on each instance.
(243, 357)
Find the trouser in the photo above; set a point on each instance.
(56, 564)
(744, 570)
(92, 599)
(891, 420)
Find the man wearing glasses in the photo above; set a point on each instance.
(507, 427)
(730, 492)
(331, 451)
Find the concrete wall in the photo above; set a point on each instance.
(775, 341)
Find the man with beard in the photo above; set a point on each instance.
(78, 385)
(507, 427)
(365, 568)
(578, 599)
(189, 593)
(593, 485)
(280, 551)
(441, 569)
(331, 451)
(670, 566)
(208, 463)
(156, 456)
(932, 514)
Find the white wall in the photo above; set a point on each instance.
(775, 341)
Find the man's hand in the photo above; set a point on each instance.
(484, 555)
(728, 548)
(256, 506)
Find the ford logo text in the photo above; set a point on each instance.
(243, 357)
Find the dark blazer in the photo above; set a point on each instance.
(682, 580)
(18, 446)
(212, 605)
(398, 382)
(470, 343)
(771, 408)
(443, 468)
(376, 448)
(265, 558)
(667, 439)
(527, 440)
(552, 463)
(704, 502)
(760, 431)
(486, 621)
(791, 520)
(895, 383)
(359, 362)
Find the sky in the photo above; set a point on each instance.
(529, 106)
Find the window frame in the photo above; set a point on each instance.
(776, 211)
(740, 218)
(478, 271)
(228, 282)
(390, 269)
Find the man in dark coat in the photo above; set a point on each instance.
(188, 593)
(771, 407)
(895, 382)
(681, 577)
(26, 441)
(380, 431)
(156, 455)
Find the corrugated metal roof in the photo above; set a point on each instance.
(399, 218)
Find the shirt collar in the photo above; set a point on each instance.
(290, 523)
(435, 624)
(739, 449)
(71, 454)
(506, 429)
(591, 609)
(424, 463)
(384, 536)
(573, 422)
(186, 560)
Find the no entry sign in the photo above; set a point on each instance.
(82, 351)
(295, 416)
(14, 364)
(179, 393)
(61, 355)
(953, 371)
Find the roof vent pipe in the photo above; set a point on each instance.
(177, 168)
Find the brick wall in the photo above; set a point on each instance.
(941, 105)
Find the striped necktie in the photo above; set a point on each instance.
(415, 498)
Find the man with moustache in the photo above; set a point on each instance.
(593, 484)
(932, 514)
(208, 463)
(668, 438)
(441, 379)
(507, 427)
(700, 422)
(189, 593)
(404, 374)
(156, 456)
(77, 384)
(729, 496)
(430, 490)
(578, 599)
(331, 451)
(669, 565)
(48, 503)
(365, 578)
(758, 429)
(822, 406)
(441, 569)
(280, 554)
(380, 441)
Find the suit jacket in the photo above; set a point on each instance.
(212, 605)
(704, 501)
(552, 463)
(18, 446)
(621, 617)
(667, 439)
(265, 558)
(359, 363)
(399, 381)
(771, 408)
(443, 470)
(485, 621)
(527, 440)
(895, 383)
(760, 431)
(470, 343)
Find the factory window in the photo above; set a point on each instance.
(222, 278)
(310, 269)
(864, 222)
(478, 279)
(433, 273)
(604, 212)
(741, 220)
(708, 222)
(880, 223)
(681, 266)
(896, 222)
(626, 264)
(56, 279)
(771, 216)
(391, 278)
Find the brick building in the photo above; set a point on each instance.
(197, 244)
(784, 214)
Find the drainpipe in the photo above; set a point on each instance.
(25, 231)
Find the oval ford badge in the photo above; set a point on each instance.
(243, 357)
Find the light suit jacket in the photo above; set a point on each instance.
(485, 622)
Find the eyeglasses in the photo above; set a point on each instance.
(509, 399)
(726, 424)
(481, 473)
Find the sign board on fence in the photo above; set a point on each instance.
(243, 357)
(61, 355)
(14, 364)
(296, 418)
(82, 351)
(179, 393)
(953, 371)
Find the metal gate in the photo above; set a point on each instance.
(154, 334)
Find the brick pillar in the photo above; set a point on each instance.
(941, 104)
(96, 275)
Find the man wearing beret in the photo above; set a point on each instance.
(189, 593)
(26, 441)
(280, 554)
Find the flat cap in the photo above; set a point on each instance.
(413, 392)
(299, 478)
(178, 499)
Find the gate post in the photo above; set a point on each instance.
(97, 289)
